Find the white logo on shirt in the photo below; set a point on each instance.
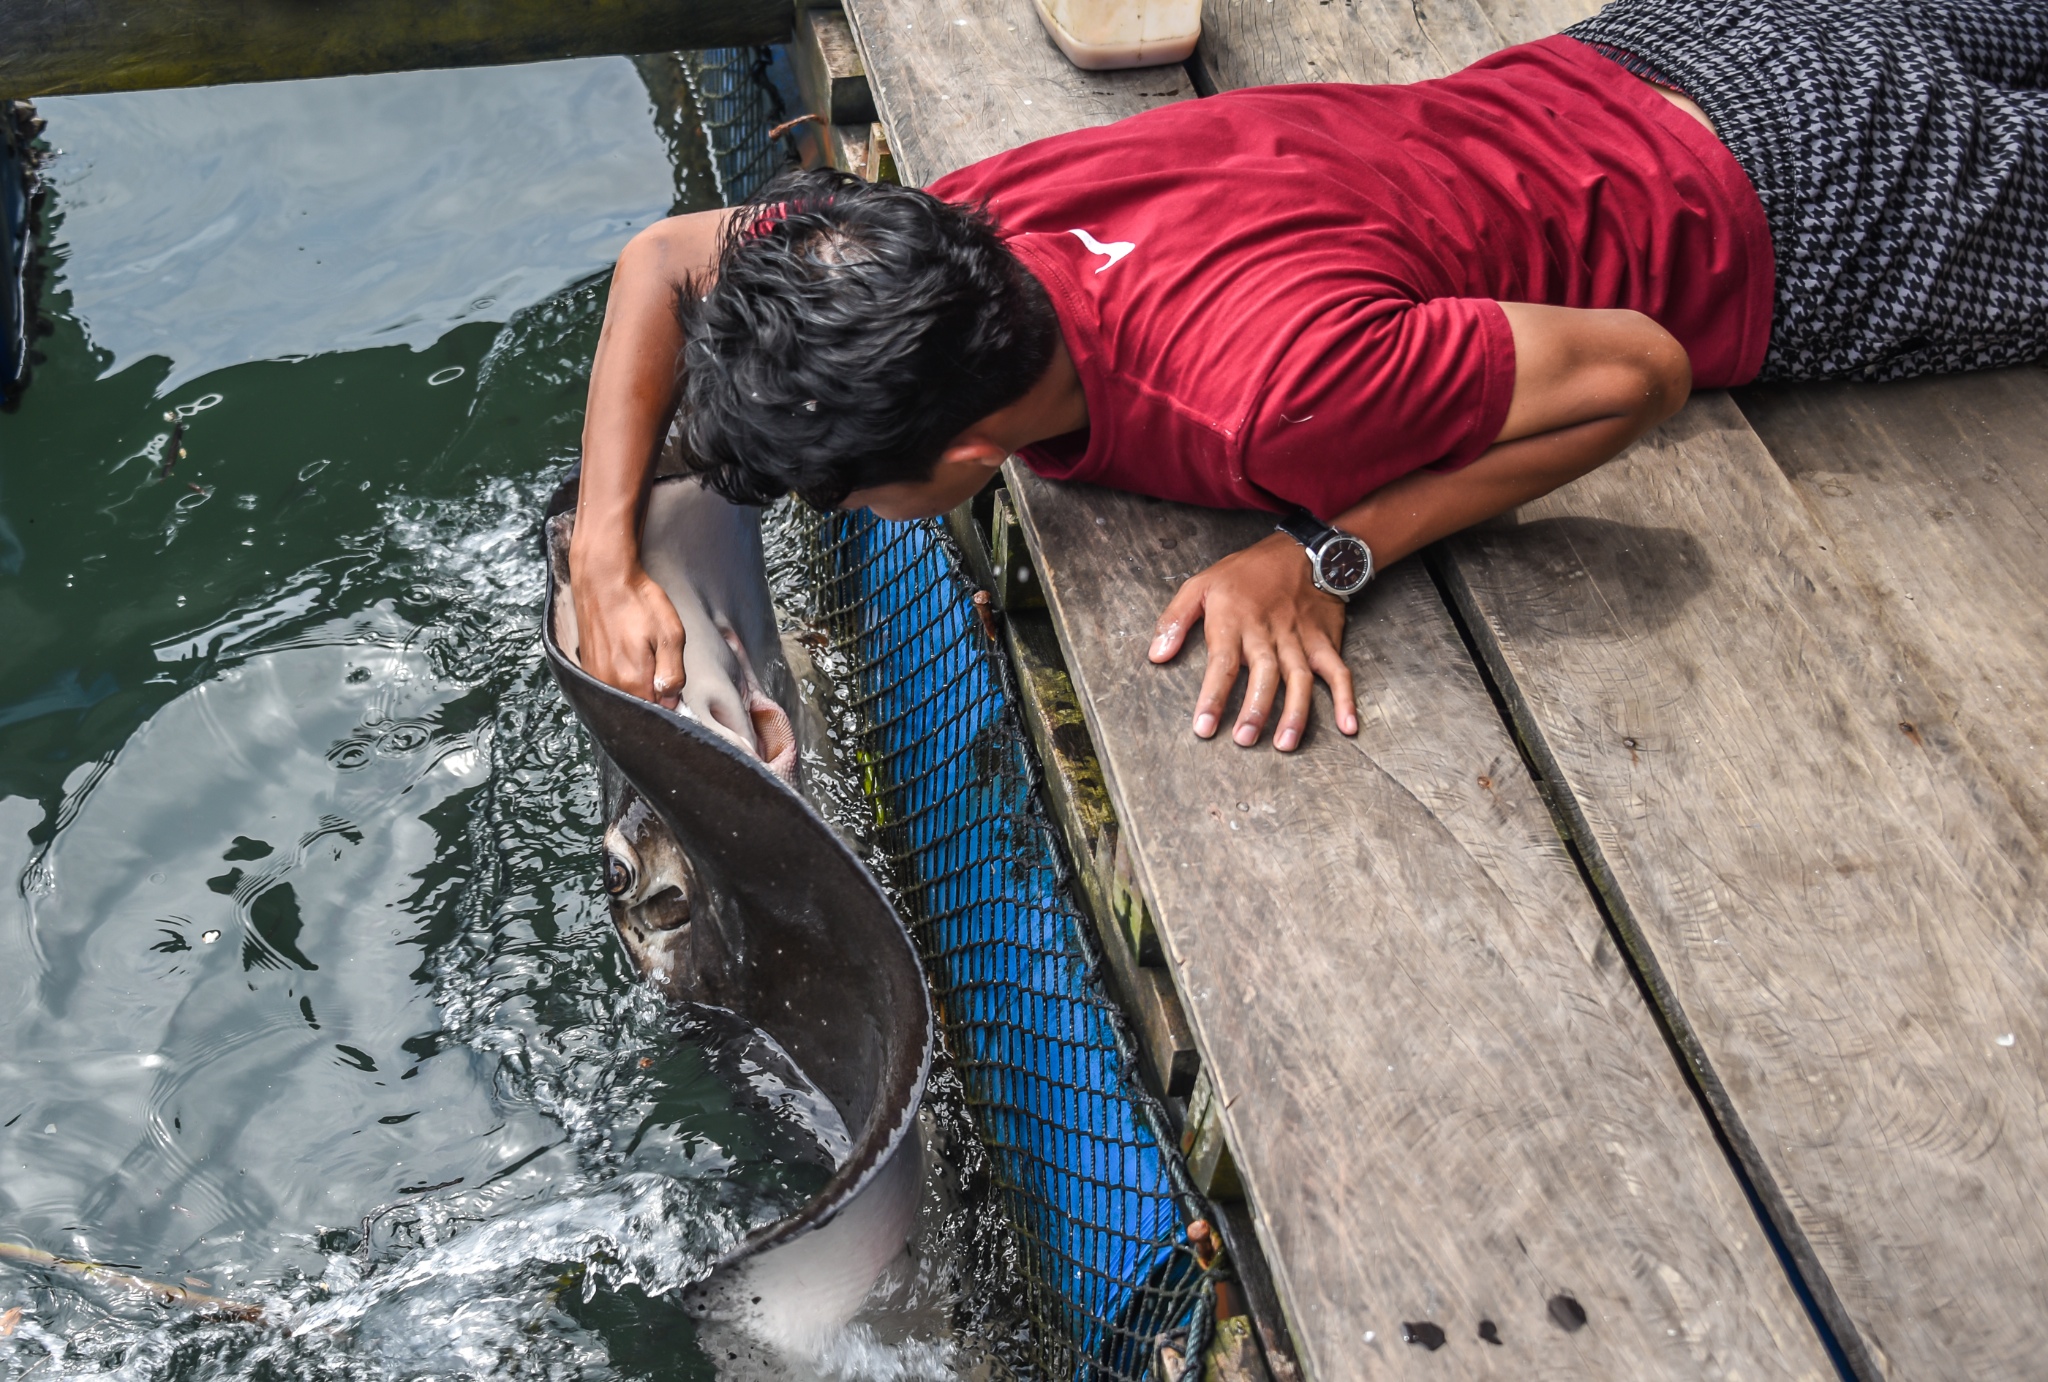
(1115, 249)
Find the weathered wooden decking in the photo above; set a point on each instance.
(1780, 673)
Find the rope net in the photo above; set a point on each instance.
(1096, 1197)
(737, 105)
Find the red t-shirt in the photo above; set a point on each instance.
(1289, 295)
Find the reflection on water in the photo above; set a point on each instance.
(237, 223)
(306, 993)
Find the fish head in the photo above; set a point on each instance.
(652, 888)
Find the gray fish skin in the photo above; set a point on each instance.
(706, 555)
(697, 938)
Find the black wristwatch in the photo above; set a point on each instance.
(1338, 563)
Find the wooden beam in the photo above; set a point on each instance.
(847, 148)
(834, 88)
(1206, 1145)
(63, 47)
(881, 164)
(1080, 806)
(1255, 1280)
(1017, 584)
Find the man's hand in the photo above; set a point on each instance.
(1261, 611)
(1587, 383)
(628, 635)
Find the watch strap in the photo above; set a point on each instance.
(1305, 528)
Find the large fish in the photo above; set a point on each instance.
(729, 891)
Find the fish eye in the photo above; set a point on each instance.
(619, 874)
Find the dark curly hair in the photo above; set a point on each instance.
(853, 331)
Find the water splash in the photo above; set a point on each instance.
(494, 1297)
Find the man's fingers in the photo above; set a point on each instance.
(668, 665)
(1181, 613)
(1260, 686)
(1301, 684)
(1330, 666)
(1217, 679)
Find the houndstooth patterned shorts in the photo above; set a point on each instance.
(1900, 149)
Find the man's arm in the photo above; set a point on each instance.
(627, 631)
(1587, 383)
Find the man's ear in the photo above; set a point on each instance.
(971, 448)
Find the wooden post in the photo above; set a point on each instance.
(833, 80)
(829, 69)
(62, 47)
(1203, 1142)
(1016, 582)
(881, 164)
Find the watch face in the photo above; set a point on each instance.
(1345, 564)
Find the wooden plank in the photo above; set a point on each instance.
(1934, 493)
(1834, 895)
(1368, 40)
(1937, 489)
(1444, 1094)
(1710, 789)
(958, 80)
(1717, 758)
(1253, 44)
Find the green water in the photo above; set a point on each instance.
(307, 995)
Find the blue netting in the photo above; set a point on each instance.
(1099, 1209)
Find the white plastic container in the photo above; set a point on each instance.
(1101, 34)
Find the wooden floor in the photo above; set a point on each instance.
(1489, 1044)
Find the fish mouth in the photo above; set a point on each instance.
(791, 932)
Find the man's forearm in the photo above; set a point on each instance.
(1427, 505)
(633, 388)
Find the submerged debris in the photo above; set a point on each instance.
(99, 1271)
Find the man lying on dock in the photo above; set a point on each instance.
(1382, 313)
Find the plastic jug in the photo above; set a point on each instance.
(1100, 34)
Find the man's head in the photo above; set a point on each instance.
(854, 331)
